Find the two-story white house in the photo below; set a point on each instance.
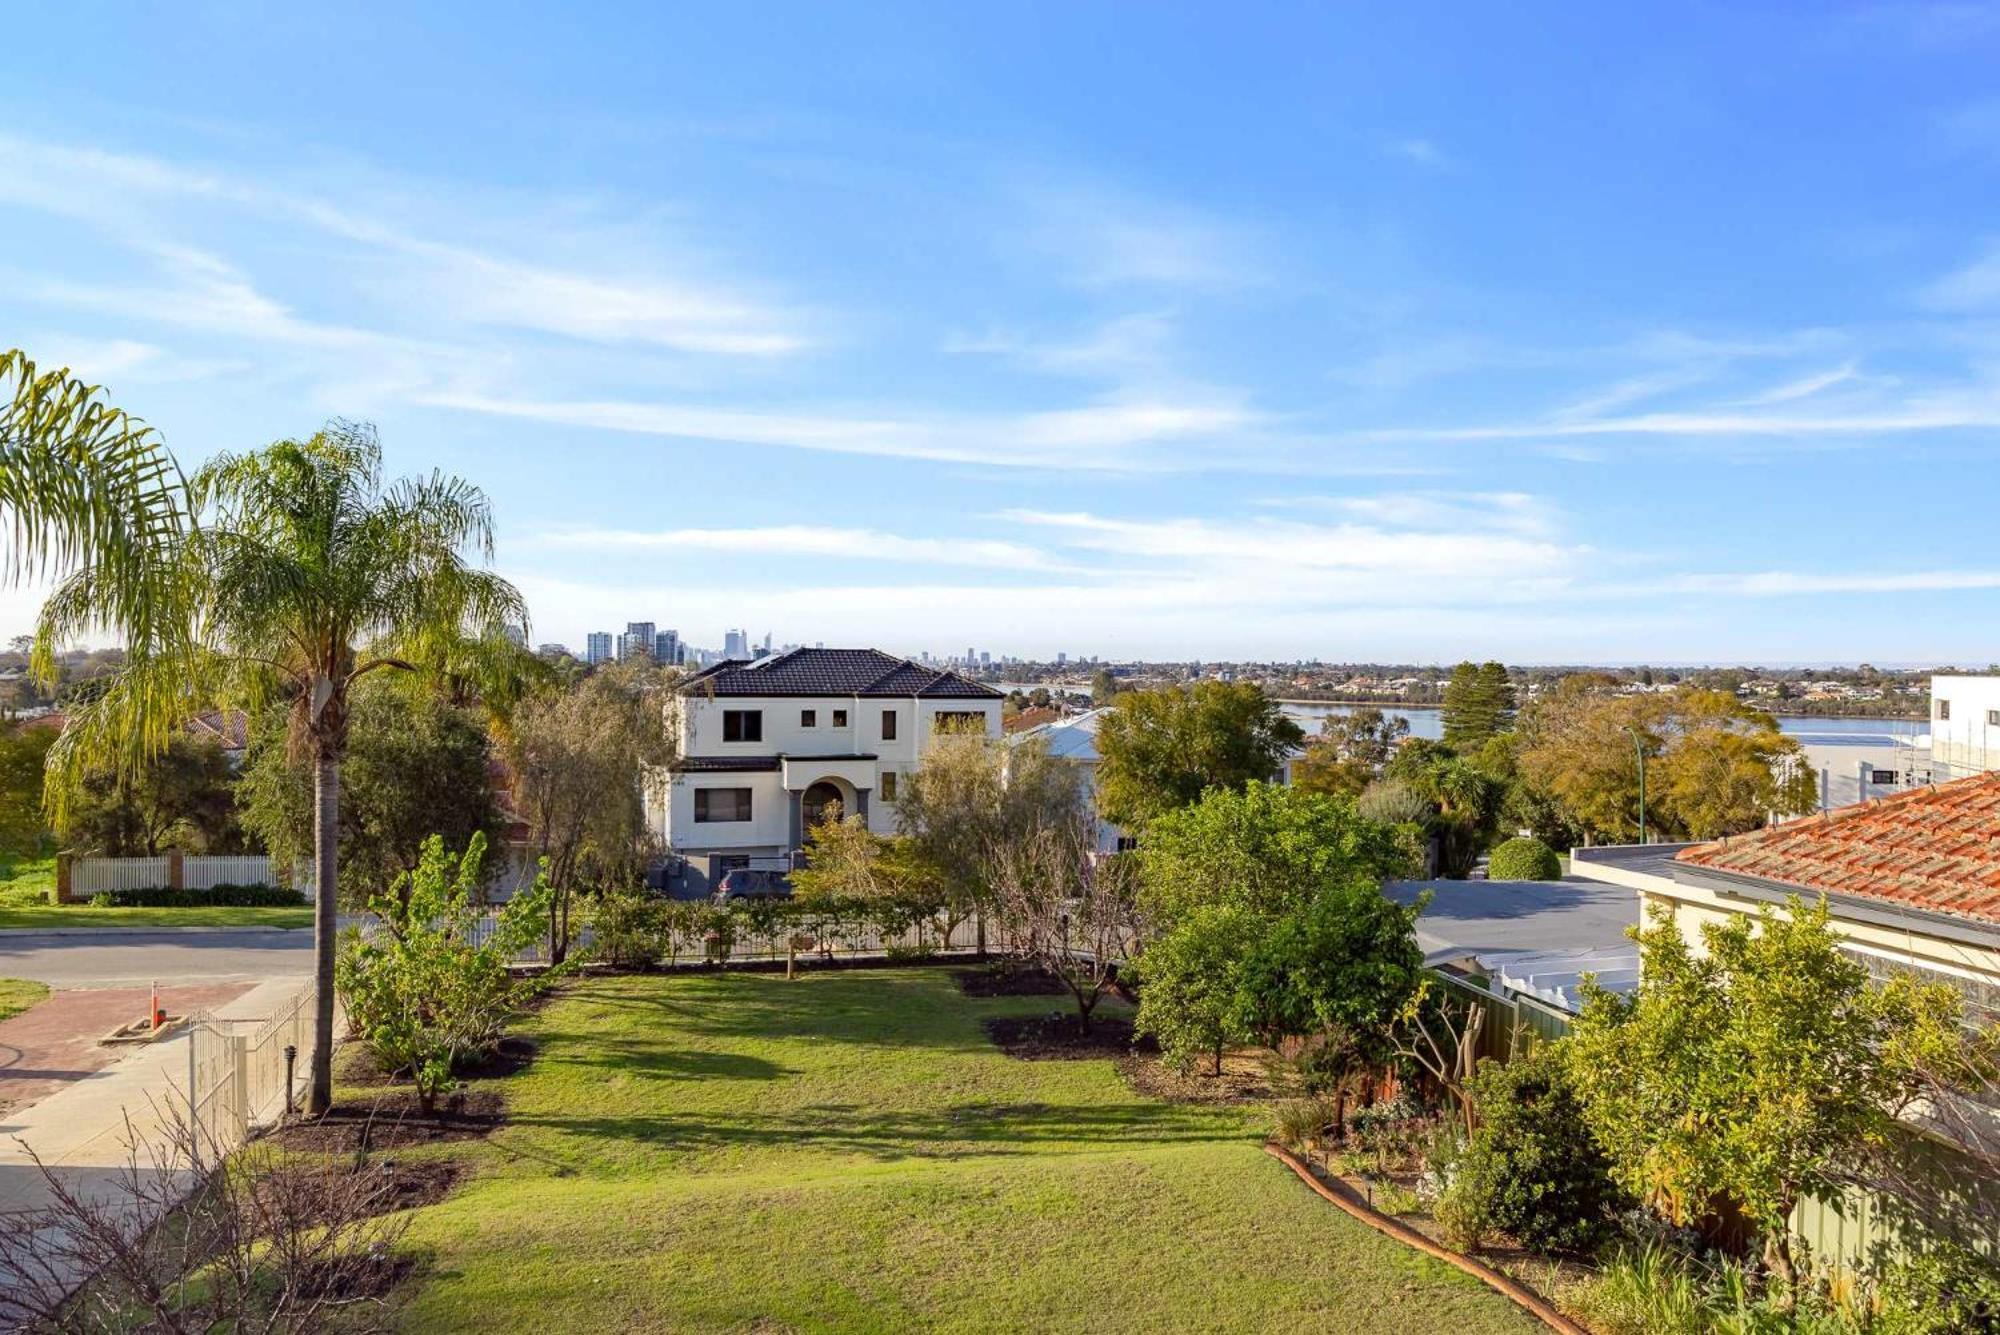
(766, 747)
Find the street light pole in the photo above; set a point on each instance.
(1639, 751)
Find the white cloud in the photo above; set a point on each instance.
(1121, 345)
(1805, 386)
(1974, 287)
(1418, 150)
(860, 544)
(1107, 238)
(1114, 435)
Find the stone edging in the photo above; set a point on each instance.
(1403, 1233)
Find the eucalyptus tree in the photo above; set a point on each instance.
(298, 573)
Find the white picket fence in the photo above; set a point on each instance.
(90, 876)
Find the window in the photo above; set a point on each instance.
(1126, 843)
(888, 725)
(1993, 718)
(840, 718)
(888, 785)
(719, 805)
(1887, 776)
(742, 725)
(959, 720)
(1944, 709)
(808, 718)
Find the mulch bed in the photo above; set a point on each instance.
(395, 1184)
(1009, 980)
(392, 1120)
(1056, 1037)
(510, 1058)
(1243, 1079)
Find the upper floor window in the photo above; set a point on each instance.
(719, 805)
(959, 720)
(888, 725)
(808, 718)
(840, 718)
(742, 725)
(1944, 709)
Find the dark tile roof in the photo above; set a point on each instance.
(1935, 848)
(833, 672)
(724, 764)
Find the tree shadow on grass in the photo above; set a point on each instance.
(647, 1059)
(893, 1134)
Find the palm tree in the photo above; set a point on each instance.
(298, 573)
(82, 482)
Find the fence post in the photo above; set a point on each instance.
(239, 1088)
(176, 875)
(65, 879)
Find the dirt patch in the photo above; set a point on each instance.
(1008, 979)
(385, 1184)
(391, 1120)
(1243, 1079)
(1057, 1037)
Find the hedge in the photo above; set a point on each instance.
(221, 896)
(1524, 859)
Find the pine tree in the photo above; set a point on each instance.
(1478, 704)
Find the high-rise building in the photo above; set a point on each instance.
(736, 644)
(597, 647)
(637, 641)
(667, 646)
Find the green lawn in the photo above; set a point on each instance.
(44, 916)
(17, 994)
(847, 1152)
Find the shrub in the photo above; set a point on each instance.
(420, 994)
(1943, 1290)
(628, 928)
(219, 896)
(1300, 1122)
(1464, 1208)
(1552, 1186)
(1524, 859)
(1644, 1290)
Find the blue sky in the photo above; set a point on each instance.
(1554, 333)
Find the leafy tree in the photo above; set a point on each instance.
(414, 767)
(1346, 960)
(1478, 704)
(1103, 687)
(1187, 983)
(1266, 848)
(423, 996)
(1463, 802)
(1750, 1074)
(1349, 752)
(22, 752)
(1162, 749)
(184, 799)
(1727, 767)
(292, 571)
(579, 759)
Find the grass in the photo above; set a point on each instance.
(17, 994)
(848, 1152)
(28, 883)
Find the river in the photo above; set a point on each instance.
(1429, 722)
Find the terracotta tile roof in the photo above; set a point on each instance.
(1033, 717)
(1935, 848)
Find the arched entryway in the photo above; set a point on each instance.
(822, 801)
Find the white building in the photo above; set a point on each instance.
(1965, 727)
(1075, 740)
(768, 747)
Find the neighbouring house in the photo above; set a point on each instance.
(227, 728)
(1074, 740)
(1528, 940)
(768, 748)
(1912, 880)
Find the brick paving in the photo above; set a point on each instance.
(53, 1045)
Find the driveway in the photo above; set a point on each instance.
(136, 957)
(54, 1044)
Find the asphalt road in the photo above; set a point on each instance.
(134, 957)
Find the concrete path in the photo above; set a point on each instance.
(136, 956)
(53, 1045)
(82, 1130)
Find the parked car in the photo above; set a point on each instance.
(745, 883)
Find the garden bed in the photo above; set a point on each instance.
(1244, 1079)
(393, 1120)
(1058, 1037)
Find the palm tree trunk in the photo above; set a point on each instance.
(326, 846)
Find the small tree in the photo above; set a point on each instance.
(1746, 1077)
(180, 799)
(1188, 981)
(1070, 914)
(425, 995)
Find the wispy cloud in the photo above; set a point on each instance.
(1120, 346)
(1418, 150)
(852, 544)
(1972, 287)
(1106, 238)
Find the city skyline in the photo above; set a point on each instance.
(1545, 335)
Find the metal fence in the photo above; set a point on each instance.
(237, 1069)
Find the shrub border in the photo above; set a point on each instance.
(1519, 1294)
